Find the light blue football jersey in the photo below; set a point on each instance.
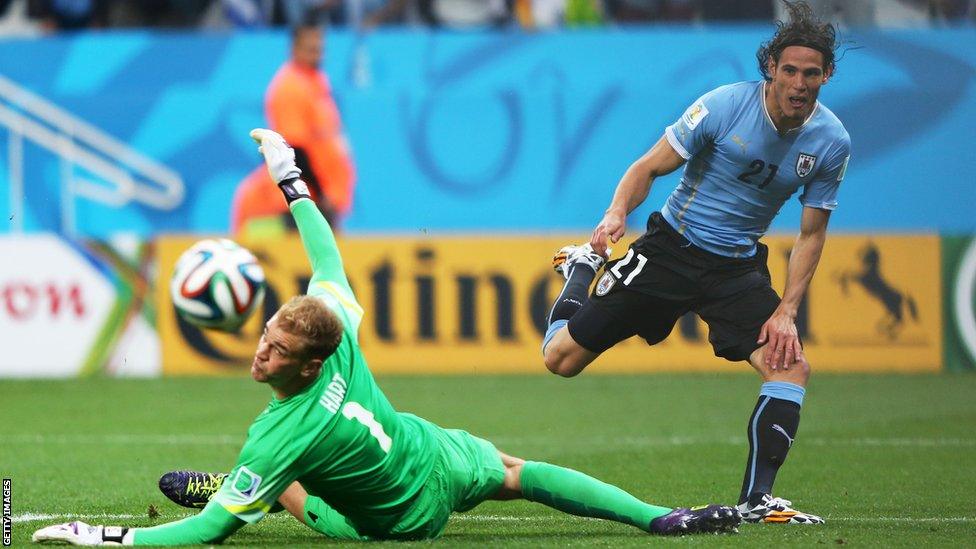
(740, 170)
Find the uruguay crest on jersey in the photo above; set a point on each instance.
(606, 282)
(804, 164)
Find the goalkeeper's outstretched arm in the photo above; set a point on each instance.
(213, 525)
(317, 236)
(320, 244)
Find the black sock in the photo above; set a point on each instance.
(771, 431)
(574, 293)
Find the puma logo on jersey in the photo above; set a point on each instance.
(740, 142)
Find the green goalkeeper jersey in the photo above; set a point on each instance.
(340, 437)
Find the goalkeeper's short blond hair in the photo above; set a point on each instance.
(311, 320)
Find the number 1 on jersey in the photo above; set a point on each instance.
(355, 410)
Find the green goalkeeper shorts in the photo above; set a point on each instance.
(467, 472)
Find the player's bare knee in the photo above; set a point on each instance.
(559, 362)
(798, 373)
(510, 461)
(513, 476)
(511, 487)
(551, 358)
(802, 368)
(293, 500)
(512, 484)
(568, 369)
(564, 366)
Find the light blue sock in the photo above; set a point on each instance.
(783, 390)
(551, 331)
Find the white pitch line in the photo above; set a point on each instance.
(34, 517)
(964, 442)
(504, 518)
(600, 441)
(902, 519)
(564, 518)
(165, 440)
(603, 441)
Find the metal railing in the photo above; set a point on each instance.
(122, 175)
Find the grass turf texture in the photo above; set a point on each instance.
(887, 460)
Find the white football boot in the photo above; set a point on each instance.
(775, 511)
(570, 255)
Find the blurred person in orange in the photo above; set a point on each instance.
(299, 106)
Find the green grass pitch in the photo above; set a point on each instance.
(887, 460)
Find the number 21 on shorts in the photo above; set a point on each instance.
(616, 269)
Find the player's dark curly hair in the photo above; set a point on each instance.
(802, 29)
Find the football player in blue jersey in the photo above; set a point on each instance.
(746, 147)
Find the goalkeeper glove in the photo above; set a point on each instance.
(280, 159)
(79, 533)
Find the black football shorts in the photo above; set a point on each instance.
(662, 277)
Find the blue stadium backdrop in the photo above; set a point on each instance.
(501, 132)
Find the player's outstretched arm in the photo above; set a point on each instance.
(212, 525)
(632, 190)
(317, 236)
(780, 330)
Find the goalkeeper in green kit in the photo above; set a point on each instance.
(332, 451)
